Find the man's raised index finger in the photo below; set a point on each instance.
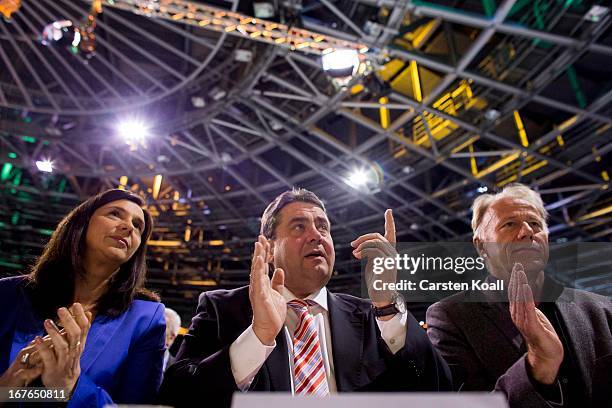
(389, 226)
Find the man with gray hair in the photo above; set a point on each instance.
(173, 325)
(546, 345)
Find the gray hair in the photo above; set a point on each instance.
(514, 190)
(270, 218)
(173, 320)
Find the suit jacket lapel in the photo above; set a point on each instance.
(496, 339)
(346, 324)
(277, 364)
(578, 328)
(101, 332)
(499, 316)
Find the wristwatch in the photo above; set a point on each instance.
(398, 305)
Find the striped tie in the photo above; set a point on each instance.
(309, 376)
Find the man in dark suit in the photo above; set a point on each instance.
(543, 345)
(290, 334)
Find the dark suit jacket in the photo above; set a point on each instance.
(483, 347)
(362, 361)
(122, 359)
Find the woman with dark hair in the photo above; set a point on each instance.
(90, 281)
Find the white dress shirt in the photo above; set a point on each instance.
(247, 353)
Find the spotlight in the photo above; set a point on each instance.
(373, 28)
(243, 55)
(407, 170)
(482, 189)
(61, 33)
(358, 178)
(596, 13)
(132, 130)
(366, 179)
(217, 93)
(198, 102)
(45, 165)
(275, 125)
(226, 157)
(263, 9)
(492, 115)
(340, 63)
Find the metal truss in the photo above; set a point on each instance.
(248, 27)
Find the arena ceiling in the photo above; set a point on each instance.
(452, 99)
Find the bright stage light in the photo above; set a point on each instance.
(132, 130)
(340, 63)
(358, 178)
(61, 33)
(366, 179)
(45, 165)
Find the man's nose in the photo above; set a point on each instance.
(314, 235)
(525, 231)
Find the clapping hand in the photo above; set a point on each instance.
(51, 356)
(20, 374)
(268, 304)
(61, 356)
(544, 349)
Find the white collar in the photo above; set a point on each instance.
(320, 296)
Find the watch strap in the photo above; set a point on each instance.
(388, 310)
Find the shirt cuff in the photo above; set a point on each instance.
(247, 355)
(393, 331)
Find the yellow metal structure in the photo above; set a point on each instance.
(8, 7)
(498, 164)
(164, 243)
(237, 24)
(450, 103)
(384, 112)
(521, 129)
(523, 172)
(465, 144)
(473, 165)
(596, 213)
(560, 140)
(416, 82)
(415, 39)
(355, 89)
(157, 182)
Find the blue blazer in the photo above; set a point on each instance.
(123, 356)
